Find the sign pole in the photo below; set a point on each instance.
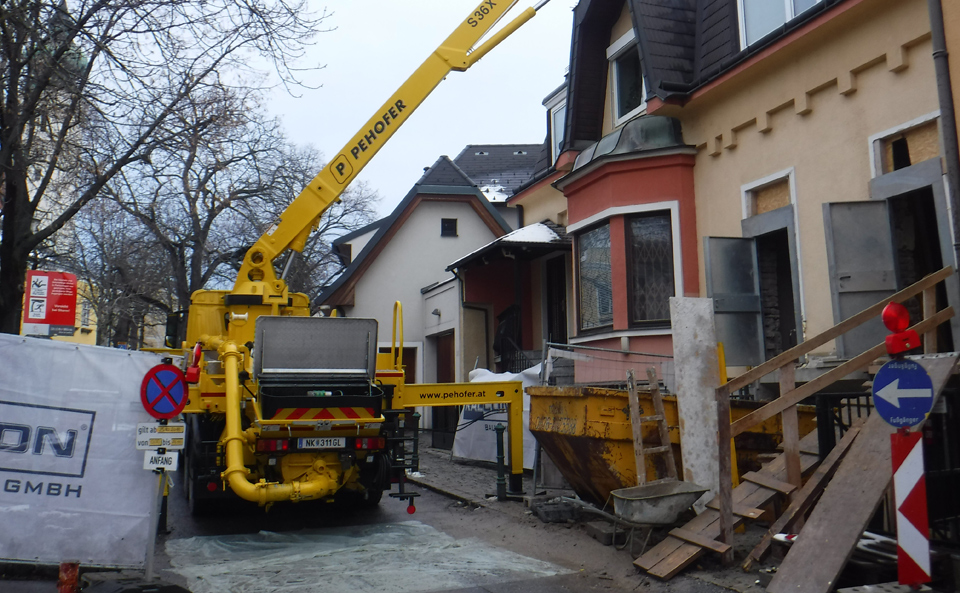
(903, 397)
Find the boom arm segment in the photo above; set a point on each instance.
(457, 52)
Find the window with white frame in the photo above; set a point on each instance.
(558, 124)
(557, 107)
(626, 75)
(595, 278)
(650, 268)
(759, 17)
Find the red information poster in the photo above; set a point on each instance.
(50, 304)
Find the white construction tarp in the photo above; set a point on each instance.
(72, 483)
(476, 434)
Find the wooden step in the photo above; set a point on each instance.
(673, 554)
(654, 450)
(654, 418)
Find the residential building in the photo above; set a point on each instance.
(784, 158)
(456, 207)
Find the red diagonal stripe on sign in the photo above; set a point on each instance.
(914, 506)
(901, 446)
(350, 413)
(164, 391)
(908, 571)
(326, 414)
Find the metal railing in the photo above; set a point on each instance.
(791, 395)
(571, 364)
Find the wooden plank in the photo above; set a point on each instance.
(634, 404)
(768, 482)
(929, 308)
(807, 389)
(672, 555)
(811, 344)
(741, 510)
(791, 426)
(657, 450)
(698, 540)
(725, 487)
(834, 527)
(804, 497)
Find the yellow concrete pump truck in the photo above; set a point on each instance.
(288, 407)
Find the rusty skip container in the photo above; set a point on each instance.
(586, 431)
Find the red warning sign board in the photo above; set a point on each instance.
(50, 304)
(164, 391)
(910, 492)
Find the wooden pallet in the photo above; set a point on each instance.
(674, 554)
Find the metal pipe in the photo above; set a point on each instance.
(948, 119)
(501, 467)
(236, 474)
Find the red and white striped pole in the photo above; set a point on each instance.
(910, 493)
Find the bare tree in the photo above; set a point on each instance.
(86, 92)
(127, 280)
(193, 207)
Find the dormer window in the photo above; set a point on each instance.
(628, 92)
(557, 106)
(760, 17)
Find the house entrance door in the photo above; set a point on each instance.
(445, 418)
(556, 300)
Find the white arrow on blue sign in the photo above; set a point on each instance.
(902, 393)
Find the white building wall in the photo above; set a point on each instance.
(358, 243)
(416, 257)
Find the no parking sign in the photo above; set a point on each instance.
(164, 391)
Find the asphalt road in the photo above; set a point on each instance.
(447, 545)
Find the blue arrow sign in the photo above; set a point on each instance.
(902, 393)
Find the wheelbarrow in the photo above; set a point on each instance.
(655, 504)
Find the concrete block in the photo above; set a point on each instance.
(603, 532)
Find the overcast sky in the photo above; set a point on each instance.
(377, 44)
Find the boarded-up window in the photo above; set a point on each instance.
(770, 197)
(910, 147)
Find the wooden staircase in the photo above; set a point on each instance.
(783, 478)
(758, 490)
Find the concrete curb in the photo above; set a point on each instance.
(446, 492)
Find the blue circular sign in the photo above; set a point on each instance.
(902, 393)
(164, 391)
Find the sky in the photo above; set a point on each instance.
(377, 44)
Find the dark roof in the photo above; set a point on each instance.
(667, 33)
(505, 166)
(443, 178)
(358, 233)
(683, 45)
(445, 172)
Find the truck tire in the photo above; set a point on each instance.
(375, 478)
(200, 429)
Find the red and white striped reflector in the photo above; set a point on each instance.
(910, 493)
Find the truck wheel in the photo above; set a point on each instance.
(375, 479)
(200, 430)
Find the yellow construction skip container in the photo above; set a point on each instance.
(586, 431)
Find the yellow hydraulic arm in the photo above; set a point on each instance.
(457, 52)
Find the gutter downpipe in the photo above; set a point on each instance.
(948, 119)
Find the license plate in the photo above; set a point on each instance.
(322, 443)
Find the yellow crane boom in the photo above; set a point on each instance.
(457, 53)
